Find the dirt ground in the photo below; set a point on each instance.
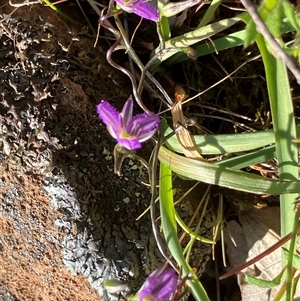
(66, 221)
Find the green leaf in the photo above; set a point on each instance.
(53, 7)
(250, 34)
(209, 13)
(295, 283)
(289, 12)
(230, 41)
(272, 14)
(211, 173)
(222, 144)
(186, 229)
(296, 258)
(179, 44)
(265, 283)
(164, 28)
(169, 227)
(284, 128)
(255, 157)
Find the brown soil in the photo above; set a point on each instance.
(30, 261)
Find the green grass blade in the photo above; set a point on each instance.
(178, 44)
(186, 229)
(289, 12)
(291, 256)
(169, 228)
(284, 129)
(227, 143)
(209, 13)
(255, 157)
(222, 144)
(214, 174)
(262, 283)
(53, 7)
(230, 41)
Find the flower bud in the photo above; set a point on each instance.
(191, 53)
(114, 286)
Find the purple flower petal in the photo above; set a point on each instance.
(113, 132)
(146, 136)
(110, 117)
(146, 11)
(126, 114)
(143, 123)
(160, 285)
(148, 122)
(140, 8)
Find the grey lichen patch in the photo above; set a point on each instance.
(6, 296)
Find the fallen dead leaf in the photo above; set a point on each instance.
(185, 139)
(258, 230)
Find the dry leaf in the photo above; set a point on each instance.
(185, 139)
(258, 231)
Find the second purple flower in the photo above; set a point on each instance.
(141, 8)
(159, 286)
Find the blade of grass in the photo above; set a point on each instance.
(227, 143)
(53, 7)
(186, 229)
(210, 12)
(268, 15)
(178, 44)
(289, 269)
(222, 144)
(232, 40)
(256, 157)
(284, 128)
(169, 228)
(211, 173)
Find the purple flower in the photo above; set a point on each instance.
(129, 130)
(159, 286)
(140, 8)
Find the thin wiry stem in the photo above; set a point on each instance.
(121, 37)
(278, 244)
(153, 179)
(262, 28)
(109, 53)
(144, 69)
